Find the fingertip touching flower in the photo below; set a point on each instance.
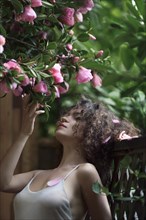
(18, 91)
(99, 54)
(83, 75)
(56, 73)
(13, 65)
(40, 87)
(67, 16)
(36, 3)
(96, 81)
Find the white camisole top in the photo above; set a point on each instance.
(50, 203)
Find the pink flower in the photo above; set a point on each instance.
(87, 6)
(36, 3)
(84, 75)
(13, 65)
(99, 54)
(78, 16)
(69, 46)
(4, 87)
(2, 40)
(40, 87)
(18, 91)
(67, 16)
(27, 16)
(56, 73)
(13, 86)
(25, 80)
(96, 81)
(1, 49)
(63, 90)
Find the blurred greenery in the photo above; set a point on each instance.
(120, 30)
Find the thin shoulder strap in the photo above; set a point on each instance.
(70, 172)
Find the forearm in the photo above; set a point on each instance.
(9, 162)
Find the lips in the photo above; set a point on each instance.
(61, 125)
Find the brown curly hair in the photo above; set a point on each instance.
(99, 129)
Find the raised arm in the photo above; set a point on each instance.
(97, 204)
(8, 181)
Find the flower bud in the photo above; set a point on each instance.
(99, 54)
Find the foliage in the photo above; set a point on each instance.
(43, 48)
(128, 190)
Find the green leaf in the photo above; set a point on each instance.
(52, 46)
(47, 4)
(97, 188)
(126, 56)
(133, 10)
(83, 37)
(17, 5)
(2, 31)
(140, 5)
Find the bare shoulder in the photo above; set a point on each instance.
(88, 173)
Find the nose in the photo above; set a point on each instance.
(63, 119)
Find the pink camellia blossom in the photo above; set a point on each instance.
(96, 81)
(13, 65)
(25, 81)
(56, 73)
(87, 5)
(1, 49)
(2, 40)
(83, 75)
(40, 87)
(18, 91)
(4, 86)
(67, 16)
(63, 90)
(69, 46)
(36, 3)
(78, 16)
(99, 54)
(27, 16)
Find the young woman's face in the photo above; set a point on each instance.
(67, 126)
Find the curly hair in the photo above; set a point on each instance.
(99, 129)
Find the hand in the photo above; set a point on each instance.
(30, 112)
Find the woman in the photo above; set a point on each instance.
(87, 132)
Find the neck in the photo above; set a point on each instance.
(72, 155)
